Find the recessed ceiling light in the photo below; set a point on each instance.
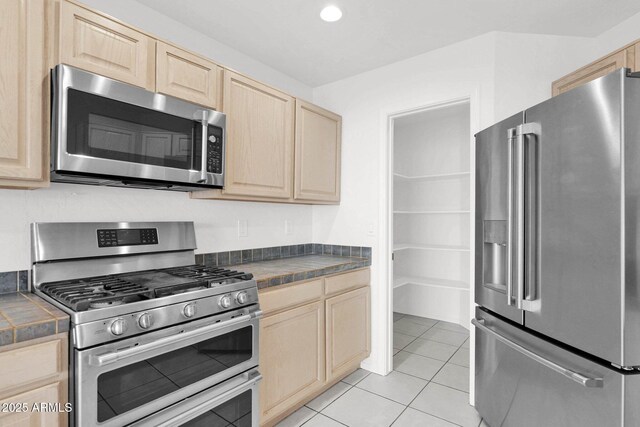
(331, 14)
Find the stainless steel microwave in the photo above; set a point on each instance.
(105, 132)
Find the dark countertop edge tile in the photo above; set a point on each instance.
(278, 280)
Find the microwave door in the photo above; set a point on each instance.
(104, 129)
(494, 166)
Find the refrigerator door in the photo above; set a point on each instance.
(525, 381)
(492, 219)
(574, 218)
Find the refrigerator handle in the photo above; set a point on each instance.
(510, 215)
(572, 375)
(527, 215)
(515, 215)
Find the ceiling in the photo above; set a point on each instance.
(289, 36)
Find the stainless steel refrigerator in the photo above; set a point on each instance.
(557, 271)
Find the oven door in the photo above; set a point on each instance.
(125, 381)
(233, 403)
(109, 129)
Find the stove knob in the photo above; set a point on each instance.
(225, 301)
(242, 297)
(118, 327)
(189, 310)
(145, 321)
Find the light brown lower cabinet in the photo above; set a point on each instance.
(348, 324)
(293, 344)
(34, 383)
(309, 340)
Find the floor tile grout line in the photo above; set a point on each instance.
(325, 415)
(339, 396)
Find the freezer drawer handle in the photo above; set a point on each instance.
(575, 376)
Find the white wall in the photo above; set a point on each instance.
(216, 221)
(216, 227)
(464, 70)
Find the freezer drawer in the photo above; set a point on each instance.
(525, 381)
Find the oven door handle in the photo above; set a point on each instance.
(108, 358)
(214, 401)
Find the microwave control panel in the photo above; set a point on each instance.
(214, 150)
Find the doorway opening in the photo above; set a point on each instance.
(431, 212)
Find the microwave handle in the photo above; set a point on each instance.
(205, 131)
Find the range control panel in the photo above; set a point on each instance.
(127, 237)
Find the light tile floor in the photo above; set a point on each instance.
(429, 386)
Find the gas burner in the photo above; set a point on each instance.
(108, 291)
(103, 304)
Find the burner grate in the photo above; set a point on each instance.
(95, 292)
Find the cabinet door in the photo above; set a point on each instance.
(42, 416)
(259, 149)
(592, 71)
(24, 87)
(348, 331)
(187, 76)
(291, 358)
(317, 153)
(98, 44)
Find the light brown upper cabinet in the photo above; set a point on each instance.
(95, 43)
(259, 149)
(317, 153)
(624, 57)
(185, 75)
(24, 95)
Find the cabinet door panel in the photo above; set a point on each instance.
(591, 72)
(103, 46)
(49, 394)
(187, 76)
(348, 331)
(317, 153)
(291, 358)
(259, 138)
(23, 82)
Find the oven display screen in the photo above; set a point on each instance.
(127, 237)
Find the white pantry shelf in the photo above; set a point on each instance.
(403, 246)
(429, 281)
(402, 178)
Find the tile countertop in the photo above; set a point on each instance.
(286, 270)
(25, 316)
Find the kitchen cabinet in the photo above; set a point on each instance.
(628, 57)
(313, 334)
(95, 43)
(347, 331)
(24, 95)
(259, 150)
(35, 372)
(265, 162)
(292, 352)
(317, 153)
(187, 76)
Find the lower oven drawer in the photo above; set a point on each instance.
(233, 403)
(525, 381)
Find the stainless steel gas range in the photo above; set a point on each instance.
(156, 340)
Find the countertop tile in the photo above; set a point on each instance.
(25, 316)
(279, 271)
